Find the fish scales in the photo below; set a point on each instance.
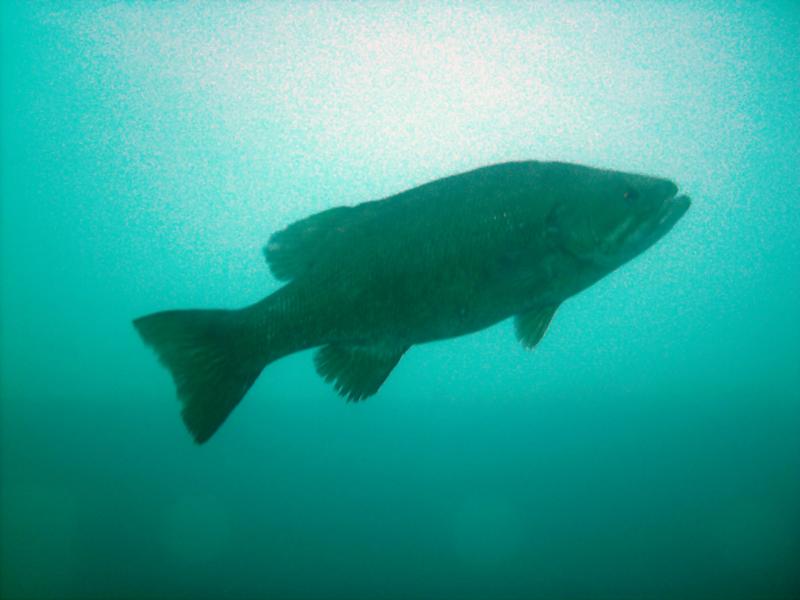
(441, 260)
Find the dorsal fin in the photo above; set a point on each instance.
(531, 325)
(291, 251)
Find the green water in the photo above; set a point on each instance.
(648, 448)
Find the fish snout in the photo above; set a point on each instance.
(672, 209)
(661, 191)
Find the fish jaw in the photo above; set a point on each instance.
(633, 236)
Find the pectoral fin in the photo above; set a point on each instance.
(357, 371)
(530, 326)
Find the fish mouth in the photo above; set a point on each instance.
(672, 208)
(671, 211)
(633, 236)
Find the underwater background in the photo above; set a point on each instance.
(648, 448)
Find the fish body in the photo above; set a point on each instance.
(445, 259)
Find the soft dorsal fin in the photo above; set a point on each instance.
(291, 251)
(357, 371)
(531, 325)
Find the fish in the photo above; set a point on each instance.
(364, 283)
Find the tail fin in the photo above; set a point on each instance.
(203, 349)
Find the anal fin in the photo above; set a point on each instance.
(357, 371)
(530, 326)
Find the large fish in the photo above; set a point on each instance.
(367, 282)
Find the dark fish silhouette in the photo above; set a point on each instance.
(440, 260)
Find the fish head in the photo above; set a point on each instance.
(606, 218)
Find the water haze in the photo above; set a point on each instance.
(648, 448)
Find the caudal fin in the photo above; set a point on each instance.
(203, 349)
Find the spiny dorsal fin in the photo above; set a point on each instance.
(530, 326)
(357, 371)
(291, 251)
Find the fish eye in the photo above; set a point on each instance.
(630, 194)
